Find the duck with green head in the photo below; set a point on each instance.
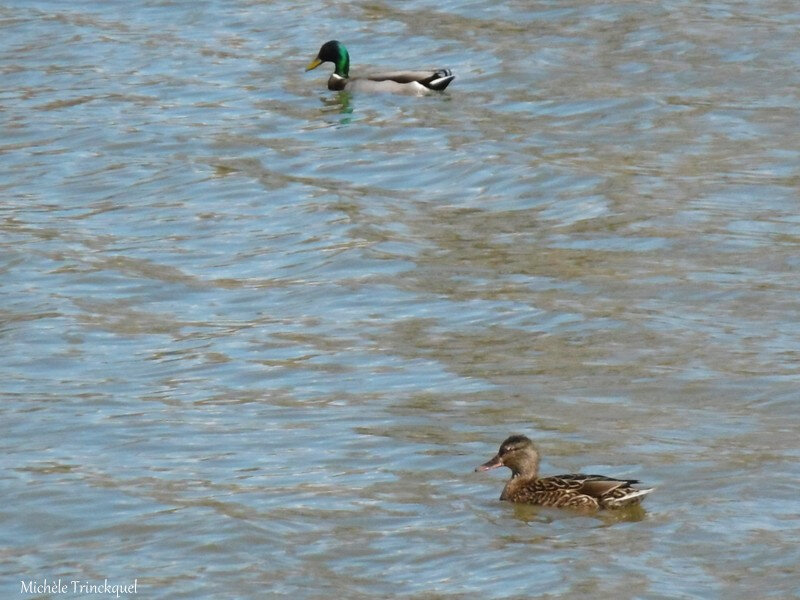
(399, 82)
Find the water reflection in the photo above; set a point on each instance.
(341, 103)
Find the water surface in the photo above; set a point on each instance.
(258, 334)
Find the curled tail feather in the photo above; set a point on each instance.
(439, 80)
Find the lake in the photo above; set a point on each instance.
(258, 334)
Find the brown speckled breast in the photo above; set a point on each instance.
(564, 491)
(555, 492)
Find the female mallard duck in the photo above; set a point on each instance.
(398, 82)
(575, 490)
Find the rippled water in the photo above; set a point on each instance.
(257, 334)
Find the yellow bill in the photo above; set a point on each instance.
(314, 64)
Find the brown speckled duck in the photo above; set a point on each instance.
(574, 490)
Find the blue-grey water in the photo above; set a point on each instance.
(256, 334)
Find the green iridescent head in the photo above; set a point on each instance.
(336, 53)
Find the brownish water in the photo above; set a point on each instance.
(258, 334)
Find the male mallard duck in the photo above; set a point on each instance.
(574, 490)
(398, 82)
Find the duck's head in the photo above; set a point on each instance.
(518, 454)
(336, 53)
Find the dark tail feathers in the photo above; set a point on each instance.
(439, 80)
